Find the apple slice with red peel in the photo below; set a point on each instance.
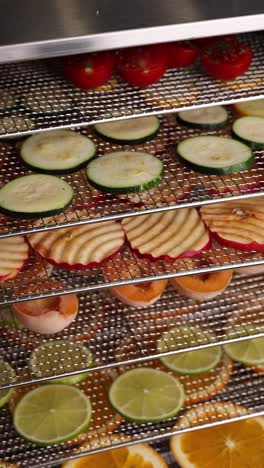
(14, 253)
(238, 224)
(167, 235)
(203, 287)
(79, 247)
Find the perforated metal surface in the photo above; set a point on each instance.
(42, 95)
(245, 388)
(180, 186)
(116, 333)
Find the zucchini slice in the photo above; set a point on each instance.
(167, 235)
(254, 108)
(57, 151)
(215, 155)
(209, 118)
(35, 195)
(128, 131)
(250, 130)
(125, 172)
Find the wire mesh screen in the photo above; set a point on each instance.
(35, 95)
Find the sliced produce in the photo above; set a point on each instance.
(132, 456)
(48, 315)
(144, 65)
(13, 255)
(209, 118)
(250, 130)
(254, 108)
(203, 287)
(227, 59)
(146, 395)
(57, 151)
(167, 235)
(125, 172)
(197, 361)
(51, 414)
(238, 224)
(250, 270)
(135, 130)
(60, 356)
(7, 376)
(181, 54)
(83, 246)
(215, 155)
(35, 195)
(90, 70)
(141, 294)
(249, 352)
(236, 444)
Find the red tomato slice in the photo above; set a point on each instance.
(181, 54)
(144, 65)
(228, 59)
(205, 42)
(90, 70)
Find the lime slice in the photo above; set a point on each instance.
(52, 414)
(8, 320)
(146, 395)
(7, 376)
(249, 352)
(59, 357)
(189, 362)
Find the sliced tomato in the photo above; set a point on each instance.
(181, 54)
(205, 42)
(227, 59)
(90, 70)
(144, 65)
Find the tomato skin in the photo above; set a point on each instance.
(181, 54)
(205, 42)
(90, 70)
(226, 60)
(144, 65)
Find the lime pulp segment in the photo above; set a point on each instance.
(7, 376)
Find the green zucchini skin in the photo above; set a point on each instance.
(245, 166)
(202, 126)
(252, 144)
(43, 214)
(59, 171)
(137, 188)
(128, 142)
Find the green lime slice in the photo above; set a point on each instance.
(8, 320)
(249, 352)
(7, 376)
(52, 414)
(58, 357)
(197, 361)
(146, 395)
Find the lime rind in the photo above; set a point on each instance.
(7, 376)
(147, 395)
(52, 415)
(68, 356)
(249, 352)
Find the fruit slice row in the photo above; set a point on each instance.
(13, 255)
(238, 224)
(167, 235)
(81, 246)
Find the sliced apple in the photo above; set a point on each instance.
(203, 287)
(238, 224)
(167, 235)
(14, 253)
(83, 246)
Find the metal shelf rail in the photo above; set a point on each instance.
(180, 186)
(117, 334)
(35, 95)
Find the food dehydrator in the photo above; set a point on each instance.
(36, 97)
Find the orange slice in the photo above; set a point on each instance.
(237, 444)
(13, 255)
(203, 287)
(132, 456)
(83, 246)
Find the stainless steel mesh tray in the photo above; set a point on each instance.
(245, 388)
(124, 268)
(180, 186)
(117, 334)
(42, 98)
